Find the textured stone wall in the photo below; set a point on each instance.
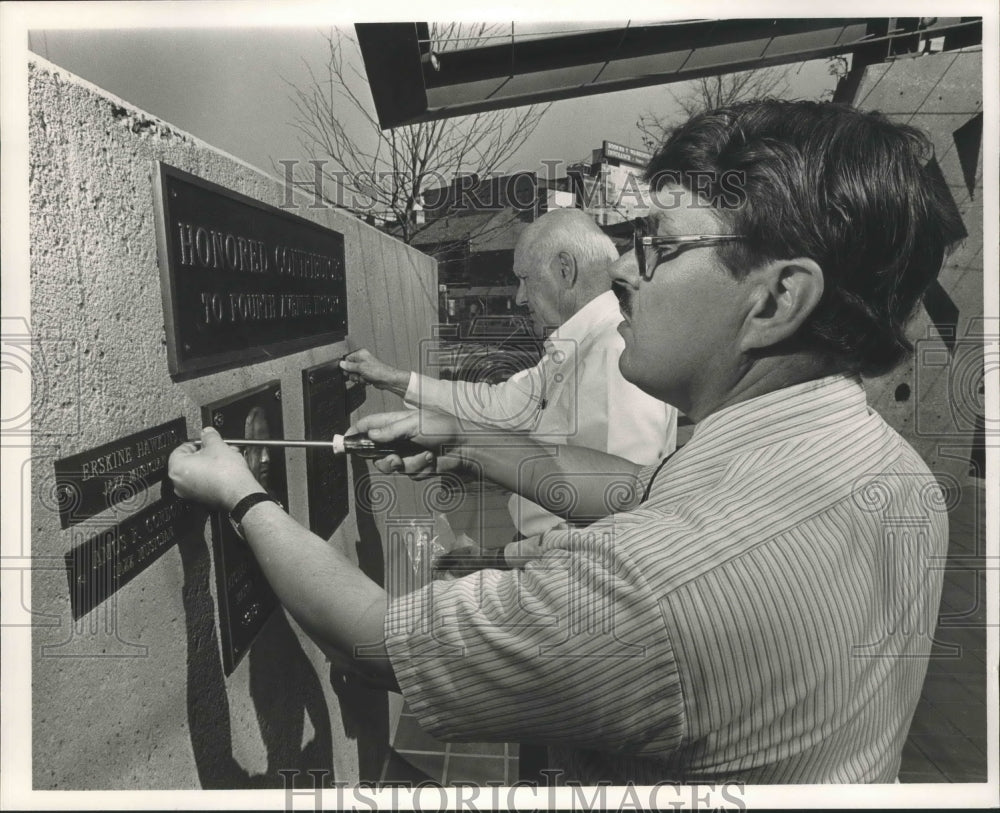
(134, 696)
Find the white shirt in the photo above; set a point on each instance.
(575, 395)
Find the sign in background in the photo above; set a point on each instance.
(630, 155)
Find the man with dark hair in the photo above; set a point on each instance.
(809, 187)
(759, 607)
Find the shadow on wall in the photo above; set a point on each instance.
(284, 689)
(364, 710)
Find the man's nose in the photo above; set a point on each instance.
(522, 294)
(625, 270)
(265, 455)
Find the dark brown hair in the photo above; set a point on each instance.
(851, 190)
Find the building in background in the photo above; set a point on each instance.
(611, 188)
(473, 224)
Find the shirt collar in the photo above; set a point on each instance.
(581, 323)
(834, 399)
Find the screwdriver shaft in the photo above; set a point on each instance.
(309, 444)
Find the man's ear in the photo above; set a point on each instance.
(782, 296)
(565, 266)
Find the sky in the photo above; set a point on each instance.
(229, 87)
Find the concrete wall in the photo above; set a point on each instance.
(936, 399)
(133, 695)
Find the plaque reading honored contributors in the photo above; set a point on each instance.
(93, 481)
(107, 561)
(245, 598)
(242, 281)
(324, 402)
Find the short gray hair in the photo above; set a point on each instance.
(575, 232)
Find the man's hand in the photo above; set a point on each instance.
(431, 429)
(216, 475)
(361, 365)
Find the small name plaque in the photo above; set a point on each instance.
(323, 399)
(242, 281)
(107, 561)
(100, 478)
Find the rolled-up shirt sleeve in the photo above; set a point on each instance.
(573, 649)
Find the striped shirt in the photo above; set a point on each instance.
(575, 395)
(764, 616)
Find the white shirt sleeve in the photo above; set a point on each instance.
(514, 404)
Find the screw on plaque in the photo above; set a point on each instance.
(277, 395)
(218, 420)
(312, 378)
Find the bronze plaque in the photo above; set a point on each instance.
(242, 281)
(93, 481)
(355, 398)
(245, 598)
(324, 403)
(107, 561)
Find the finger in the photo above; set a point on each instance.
(390, 464)
(210, 438)
(384, 419)
(446, 463)
(356, 356)
(418, 464)
(405, 427)
(185, 449)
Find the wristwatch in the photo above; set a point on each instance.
(240, 509)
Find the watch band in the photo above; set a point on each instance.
(240, 509)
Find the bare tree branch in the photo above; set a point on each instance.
(387, 172)
(710, 92)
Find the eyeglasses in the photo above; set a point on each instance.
(668, 247)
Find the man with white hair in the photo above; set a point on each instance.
(576, 394)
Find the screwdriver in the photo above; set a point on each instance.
(358, 444)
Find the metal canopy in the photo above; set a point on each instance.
(411, 82)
